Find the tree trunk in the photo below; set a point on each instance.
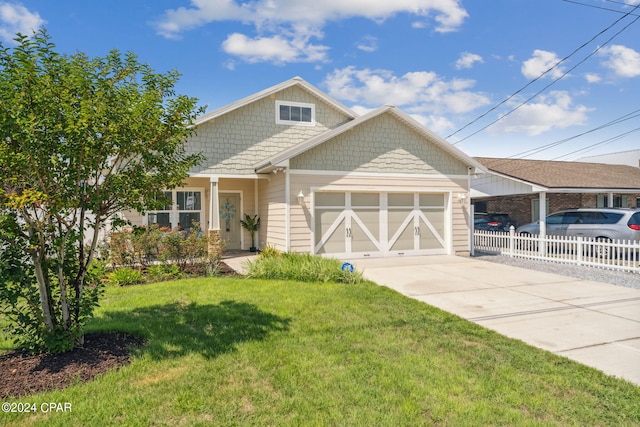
(43, 287)
(62, 282)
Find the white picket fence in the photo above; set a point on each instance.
(615, 255)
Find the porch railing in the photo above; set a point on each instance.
(615, 255)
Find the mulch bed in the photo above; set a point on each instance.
(225, 270)
(24, 374)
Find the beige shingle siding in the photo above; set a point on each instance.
(383, 144)
(272, 210)
(234, 142)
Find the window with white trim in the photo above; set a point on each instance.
(162, 217)
(295, 113)
(602, 201)
(184, 209)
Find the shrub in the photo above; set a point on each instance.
(185, 247)
(96, 273)
(162, 272)
(125, 276)
(121, 248)
(270, 252)
(178, 251)
(301, 267)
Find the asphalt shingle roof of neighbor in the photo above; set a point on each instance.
(556, 174)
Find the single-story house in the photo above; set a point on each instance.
(525, 188)
(323, 179)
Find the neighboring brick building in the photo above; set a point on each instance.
(514, 186)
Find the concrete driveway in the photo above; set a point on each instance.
(593, 323)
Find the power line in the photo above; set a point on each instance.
(606, 141)
(542, 75)
(527, 153)
(601, 7)
(524, 154)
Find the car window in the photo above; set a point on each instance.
(555, 218)
(601, 217)
(611, 217)
(572, 218)
(635, 219)
(593, 218)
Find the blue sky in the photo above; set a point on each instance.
(448, 63)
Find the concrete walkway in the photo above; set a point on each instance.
(593, 323)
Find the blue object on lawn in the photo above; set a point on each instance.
(347, 267)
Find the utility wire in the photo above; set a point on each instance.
(606, 141)
(542, 75)
(613, 122)
(601, 7)
(527, 153)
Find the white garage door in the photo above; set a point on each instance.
(379, 224)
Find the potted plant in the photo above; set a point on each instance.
(251, 224)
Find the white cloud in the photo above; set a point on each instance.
(540, 62)
(467, 60)
(419, 92)
(592, 78)
(361, 110)
(553, 111)
(368, 44)
(436, 124)
(294, 20)
(15, 18)
(624, 61)
(449, 14)
(275, 49)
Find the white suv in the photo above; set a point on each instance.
(599, 223)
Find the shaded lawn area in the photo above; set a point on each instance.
(231, 351)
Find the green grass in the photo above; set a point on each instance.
(229, 351)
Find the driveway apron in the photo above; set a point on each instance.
(593, 323)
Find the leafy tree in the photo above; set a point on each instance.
(80, 139)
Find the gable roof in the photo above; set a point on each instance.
(566, 175)
(298, 149)
(296, 81)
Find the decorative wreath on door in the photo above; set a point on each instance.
(227, 213)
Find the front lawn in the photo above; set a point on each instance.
(231, 351)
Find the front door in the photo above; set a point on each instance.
(230, 213)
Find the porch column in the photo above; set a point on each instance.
(610, 200)
(214, 208)
(543, 221)
(215, 248)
